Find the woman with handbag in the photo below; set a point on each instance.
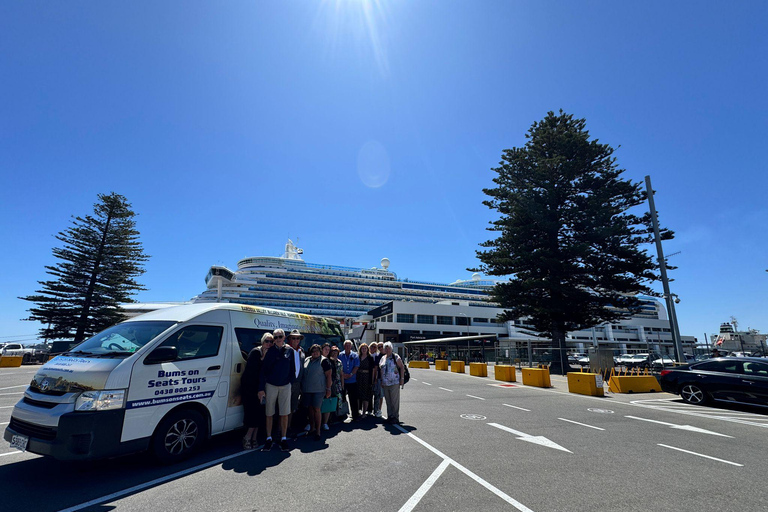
(315, 386)
(392, 378)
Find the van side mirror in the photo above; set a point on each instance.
(162, 355)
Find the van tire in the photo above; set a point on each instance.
(179, 435)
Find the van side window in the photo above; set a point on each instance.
(249, 338)
(195, 341)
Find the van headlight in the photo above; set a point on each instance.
(100, 400)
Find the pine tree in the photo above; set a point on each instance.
(99, 261)
(567, 239)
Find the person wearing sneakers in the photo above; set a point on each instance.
(315, 386)
(298, 412)
(351, 362)
(392, 379)
(378, 393)
(275, 380)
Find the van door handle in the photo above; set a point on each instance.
(238, 367)
(217, 367)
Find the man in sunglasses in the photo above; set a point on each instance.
(278, 372)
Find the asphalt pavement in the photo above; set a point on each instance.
(466, 443)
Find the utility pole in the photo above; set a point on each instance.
(664, 280)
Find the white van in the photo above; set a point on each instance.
(163, 381)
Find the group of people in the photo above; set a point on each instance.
(330, 384)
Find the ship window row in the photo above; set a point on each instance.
(316, 278)
(365, 299)
(469, 294)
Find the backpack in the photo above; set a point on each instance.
(406, 373)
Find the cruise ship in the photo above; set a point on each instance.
(288, 282)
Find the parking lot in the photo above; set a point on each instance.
(466, 443)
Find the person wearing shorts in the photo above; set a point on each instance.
(277, 374)
(315, 386)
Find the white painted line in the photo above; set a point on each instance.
(701, 455)
(680, 427)
(6, 406)
(516, 407)
(152, 483)
(427, 383)
(446, 389)
(17, 452)
(582, 424)
(13, 393)
(11, 387)
(473, 396)
(426, 486)
(414, 379)
(498, 492)
(5, 423)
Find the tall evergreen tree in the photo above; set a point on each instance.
(99, 261)
(567, 238)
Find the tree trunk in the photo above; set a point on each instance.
(83, 321)
(559, 364)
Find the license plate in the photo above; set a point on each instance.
(19, 442)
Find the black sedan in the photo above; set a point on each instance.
(741, 380)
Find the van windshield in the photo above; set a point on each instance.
(121, 340)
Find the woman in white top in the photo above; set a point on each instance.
(392, 372)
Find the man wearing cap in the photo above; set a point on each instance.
(297, 415)
(350, 362)
(277, 375)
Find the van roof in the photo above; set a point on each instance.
(190, 311)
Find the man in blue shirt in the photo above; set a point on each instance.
(350, 362)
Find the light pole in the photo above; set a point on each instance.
(664, 280)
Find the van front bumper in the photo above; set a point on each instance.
(78, 436)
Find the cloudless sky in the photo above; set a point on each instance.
(369, 128)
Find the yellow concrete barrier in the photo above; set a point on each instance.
(538, 377)
(457, 366)
(586, 383)
(478, 369)
(441, 364)
(505, 373)
(633, 384)
(419, 364)
(10, 361)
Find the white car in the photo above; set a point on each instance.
(662, 362)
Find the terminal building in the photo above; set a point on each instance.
(473, 329)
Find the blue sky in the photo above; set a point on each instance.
(368, 129)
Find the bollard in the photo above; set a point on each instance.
(10, 361)
(505, 373)
(419, 364)
(538, 377)
(478, 369)
(441, 364)
(457, 366)
(584, 383)
(633, 384)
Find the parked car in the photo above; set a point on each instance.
(741, 380)
(662, 362)
(639, 361)
(622, 359)
(28, 354)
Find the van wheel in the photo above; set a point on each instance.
(179, 435)
(26, 358)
